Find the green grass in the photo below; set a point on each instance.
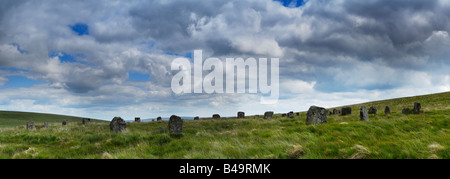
(394, 136)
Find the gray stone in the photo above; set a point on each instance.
(196, 118)
(387, 110)
(175, 125)
(346, 111)
(86, 121)
(283, 115)
(316, 115)
(417, 108)
(406, 111)
(216, 116)
(241, 114)
(159, 118)
(31, 125)
(290, 114)
(137, 119)
(335, 112)
(45, 124)
(372, 110)
(118, 125)
(298, 114)
(363, 114)
(268, 115)
(64, 122)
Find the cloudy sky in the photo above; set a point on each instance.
(107, 58)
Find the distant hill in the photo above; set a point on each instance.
(13, 118)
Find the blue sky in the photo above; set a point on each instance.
(21, 82)
(64, 57)
(136, 76)
(19, 49)
(80, 29)
(100, 59)
(187, 54)
(292, 3)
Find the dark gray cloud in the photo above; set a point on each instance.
(386, 34)
(376, 29)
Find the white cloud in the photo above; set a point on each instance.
(258, 46)
(297, 86)
(3, 81)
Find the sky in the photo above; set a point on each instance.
(108, 58)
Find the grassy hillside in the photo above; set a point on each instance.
(384, 136)
(13, 119)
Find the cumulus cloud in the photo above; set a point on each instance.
(297, 86)
(3, 81)
(326, 48)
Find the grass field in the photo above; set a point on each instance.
(394, 136)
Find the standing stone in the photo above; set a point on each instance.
(64, 122)
(291, 114)
(363, 115)
(241, 115)
(316, 115)
(175, 125)
(137, 119)
(196, 118)
(335, 112)
(86, 121)
(30, 125)
(298, 114)
(417, 108)
(45, 124)
(346, 111)
(159, 118)
(330, 113)
(268, 115)
(406, 111)
(118, 125)
(372, 110)
(283, 115)
(387, 110)
(216, 116)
